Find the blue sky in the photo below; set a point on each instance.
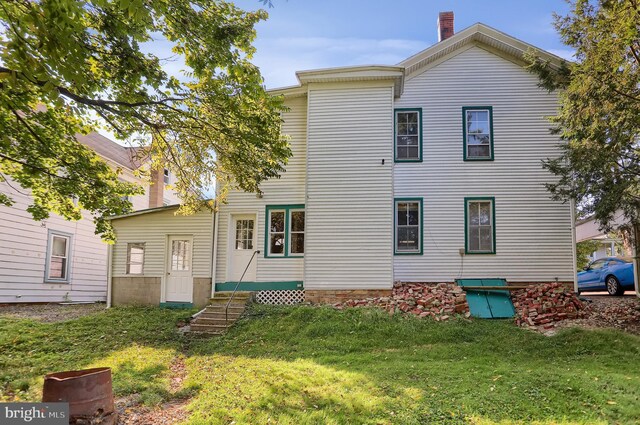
(310, 34)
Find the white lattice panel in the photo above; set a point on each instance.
(286, 297)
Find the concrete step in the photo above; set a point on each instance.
(221, 308)
(219, 315)
(215, 321)
(225, 299)
(207, 329)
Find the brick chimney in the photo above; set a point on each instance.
(445, 25)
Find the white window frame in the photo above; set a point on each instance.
(270, 232)
(69, 239)
(489, 111)
(165, 177)
(418, 202)
(244, 231)
(491, 225)
(418, 112)
(128, 265)
(291, 232)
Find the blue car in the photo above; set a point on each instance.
(613, 274)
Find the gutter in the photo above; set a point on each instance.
(109, 277)
(214, 250)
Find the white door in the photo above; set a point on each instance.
(179, 287)
(243, 245)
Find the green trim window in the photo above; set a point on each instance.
(284, 232)
(408, 134)
(408, 226)
(477, 127)
(135, 258)
(480, 225)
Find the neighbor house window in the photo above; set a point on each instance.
(408, 226)
(408, 135)
(135, 258)
(166, 176)
(477, 124)
(480, 223)
(58, 257)
(285, 231)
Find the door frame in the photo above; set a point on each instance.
(167, 246)
(231, 231)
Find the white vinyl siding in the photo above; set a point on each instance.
(349, 208)
(533, 232)
(289, 189)
(153, 229)
(23, 256)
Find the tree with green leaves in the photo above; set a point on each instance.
(70, 66)
(599, 115)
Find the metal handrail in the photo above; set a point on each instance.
(226, 309)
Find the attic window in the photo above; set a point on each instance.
(166, 176)
(408, 135)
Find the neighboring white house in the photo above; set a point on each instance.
(58, 260)
(589, 229)
(425, 171)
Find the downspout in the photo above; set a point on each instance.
(214, 250)
(574, 251)
(109, 277)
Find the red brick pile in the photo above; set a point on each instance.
(438, 301)
(545, 305)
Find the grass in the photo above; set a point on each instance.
(317, 365)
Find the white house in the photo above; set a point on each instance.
(58, 260)
(424, 171)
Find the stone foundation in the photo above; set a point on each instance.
(342, 295)
(135, 291)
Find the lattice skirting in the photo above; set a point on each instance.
(284, 297)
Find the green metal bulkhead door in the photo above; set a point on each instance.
(488, 304)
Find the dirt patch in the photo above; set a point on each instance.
(605, 311)
(131, 411)
(50, 313)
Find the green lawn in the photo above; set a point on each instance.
(318, 365)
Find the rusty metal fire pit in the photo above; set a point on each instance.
(88, 392)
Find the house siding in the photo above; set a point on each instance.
(349, 190)
(23, 251)
(153, 229)
(533, 233)
(289, 189)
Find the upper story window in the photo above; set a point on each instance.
(166, 176)
(477, 124)
(285, 231)
(135, 258)
(408, 226)
(480, 226)
(58, 257)
(408, 135)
